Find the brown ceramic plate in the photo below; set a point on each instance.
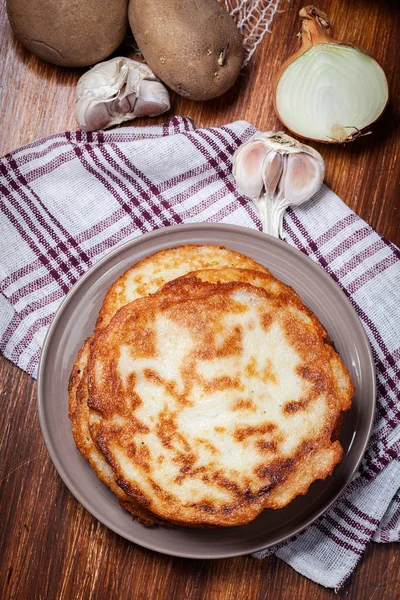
(75, 321)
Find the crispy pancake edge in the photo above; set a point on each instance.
(78, 412)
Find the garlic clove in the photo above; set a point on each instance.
(153, 99)
(118, 90)
(302, 178)
(92, 115)
(247, 168)
(124, 105)
(272, 171)
(277, 171)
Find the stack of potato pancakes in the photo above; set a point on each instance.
(208, 391)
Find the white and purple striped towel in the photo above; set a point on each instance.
(69, 198)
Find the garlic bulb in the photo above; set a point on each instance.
(118, 90)
(277, 171)
(329, 90)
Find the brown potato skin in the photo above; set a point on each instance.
(70, 33)
(182, 40)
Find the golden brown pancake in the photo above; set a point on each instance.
(150, 274)
(289, 475)
(218, 405)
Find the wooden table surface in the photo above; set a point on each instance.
(50, 546)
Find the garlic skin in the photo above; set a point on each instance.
(118, 90)
(276, 171)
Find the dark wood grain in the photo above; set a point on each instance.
(50, 546)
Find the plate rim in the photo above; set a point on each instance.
(160, 232)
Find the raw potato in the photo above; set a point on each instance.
(191, 45)
(72, 33)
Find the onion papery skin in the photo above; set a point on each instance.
(330, 92)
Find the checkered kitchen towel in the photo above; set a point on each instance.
(68, 199)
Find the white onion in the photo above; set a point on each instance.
(329, 91)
